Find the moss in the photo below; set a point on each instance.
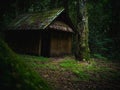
(15, 74)
(35, 20)
(83, 50)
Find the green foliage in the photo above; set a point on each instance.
(85, 71)
(15, 74)
(99, 22)
(103, 25)
(99, 56)
(95, 70)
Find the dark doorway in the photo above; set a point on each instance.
(45, 48)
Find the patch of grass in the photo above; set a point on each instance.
(40, 62)
(35, 61)
(94, 70)
(34, 58)
(52, 66)
(76, 67)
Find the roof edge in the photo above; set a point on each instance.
(58, 13)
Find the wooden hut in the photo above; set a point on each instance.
(45, 34)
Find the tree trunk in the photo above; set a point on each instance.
(16, 8)
(82, 47)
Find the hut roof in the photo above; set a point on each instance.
(58, 25)
(35, 20)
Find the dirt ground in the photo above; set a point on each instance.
(67, 80)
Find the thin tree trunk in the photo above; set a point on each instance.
(16, 8)
(82, 47)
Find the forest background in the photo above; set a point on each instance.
(104, 20)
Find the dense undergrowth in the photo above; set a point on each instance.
(15, 74)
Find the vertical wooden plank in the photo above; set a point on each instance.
(39, 46)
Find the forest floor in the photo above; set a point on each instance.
(67, 74)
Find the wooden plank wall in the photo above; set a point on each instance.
(24, 42)
(29, 42)
(61, 43)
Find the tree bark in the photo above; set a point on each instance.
(82, 47)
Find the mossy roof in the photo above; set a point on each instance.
(35, 20)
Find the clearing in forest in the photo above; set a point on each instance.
(67, 74)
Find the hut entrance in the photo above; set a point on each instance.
(45, 48)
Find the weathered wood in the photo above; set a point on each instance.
(61, 43)
(45, 34)
(34, 43)
(25, 42)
